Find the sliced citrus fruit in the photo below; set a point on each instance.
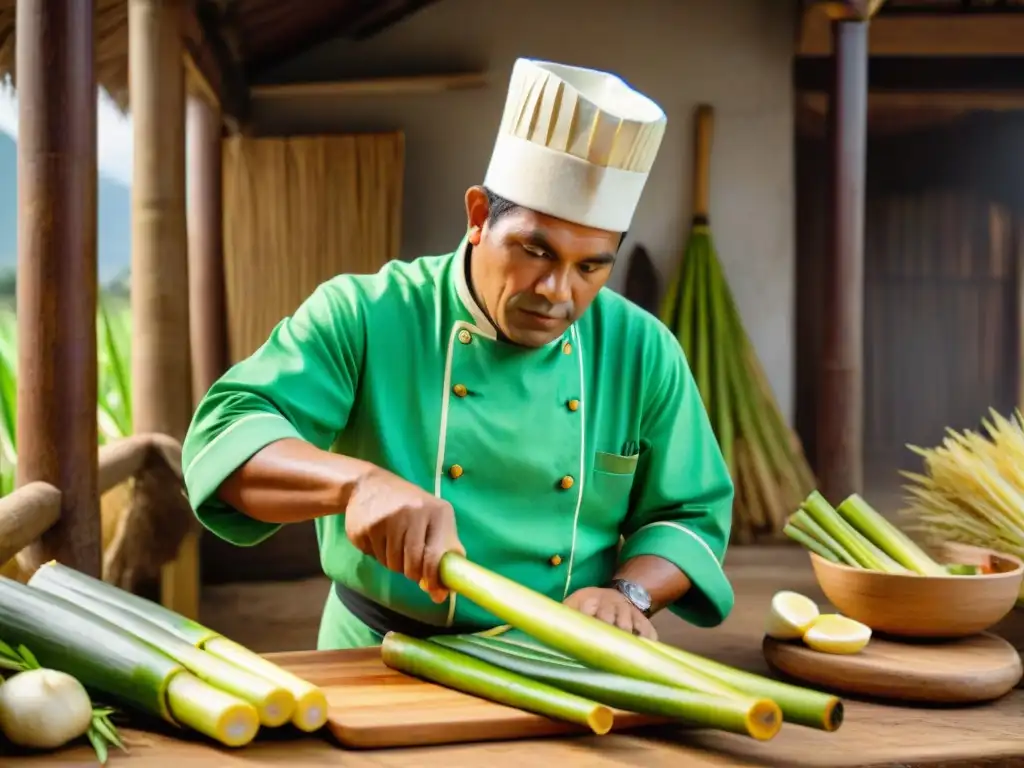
(790, 615)
(832, 633)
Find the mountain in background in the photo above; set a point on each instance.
(114, 222)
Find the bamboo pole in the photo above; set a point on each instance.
(841, 405)
(57, 282)
(206, 246)
(161, 365)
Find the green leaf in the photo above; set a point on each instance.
(98, 744)
(29, 657)
(110, 733)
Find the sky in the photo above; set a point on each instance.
(114, 134)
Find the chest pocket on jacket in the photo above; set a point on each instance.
(607, 498)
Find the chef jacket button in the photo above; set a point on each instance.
(573, 405)
(567, 482)
(460, 390)
(567, 348)
(455, 471)
(555, 560)
(465, 336)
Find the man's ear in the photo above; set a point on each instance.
(476, 212)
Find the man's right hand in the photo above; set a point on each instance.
(405, 528)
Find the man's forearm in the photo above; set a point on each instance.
(662, 579)
(291, 481)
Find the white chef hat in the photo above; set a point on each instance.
(574, 143)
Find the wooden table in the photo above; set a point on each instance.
(873, 734)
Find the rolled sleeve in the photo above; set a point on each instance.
(212, 465)
(710, 599)
(300, 383)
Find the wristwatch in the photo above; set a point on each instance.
(635, 593)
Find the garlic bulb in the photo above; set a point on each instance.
(44, 709)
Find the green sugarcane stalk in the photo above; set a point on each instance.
(804, 706)
(810, 543)
(800, 519)
(594, 642)
(887, 537)
(625, 693)
(863, 551)
(461, 672)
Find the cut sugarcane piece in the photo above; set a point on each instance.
(832, 633)
(211, 711)
(807, 524)
(109, 660)
(588, 639)
(887, 537)
(310, 711)
(861, 549)
(697, 709)
(790, 615)
(803, 706)
(810, 543)
(274, 703)
(311, 707)
(458, 671)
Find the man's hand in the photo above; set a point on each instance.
(611, 606)
(405, 528)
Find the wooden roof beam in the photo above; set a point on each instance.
(364, 19)
(214, 64)
(954, 34)
(851, 10)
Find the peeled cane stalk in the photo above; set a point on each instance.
(588, 639)
(274, 703)
(625, 693)
(972, 487)
(310, 711)
(887, 537)
(109, 660)
(452, 669)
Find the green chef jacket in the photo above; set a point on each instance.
(547, 455)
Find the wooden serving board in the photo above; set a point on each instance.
(972, 669)
(373, 706)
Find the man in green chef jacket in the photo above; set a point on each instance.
(495, 401)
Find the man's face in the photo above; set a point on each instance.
(535, 274)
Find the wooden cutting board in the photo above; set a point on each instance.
(373, 706)
(978, 668)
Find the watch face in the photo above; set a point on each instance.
(637, 594)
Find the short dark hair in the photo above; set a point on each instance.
(498, 206)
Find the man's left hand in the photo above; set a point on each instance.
(611, 606)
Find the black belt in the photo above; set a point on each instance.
(383, 620)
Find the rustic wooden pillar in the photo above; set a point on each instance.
(205, 246)
(57, 280)
(161, 364)
(841, 405)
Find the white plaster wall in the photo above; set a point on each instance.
(733, 54)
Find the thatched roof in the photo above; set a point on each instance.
(255, 34)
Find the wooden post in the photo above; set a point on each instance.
(205, 246)
(57, 280)
(841, 406)
(161, 361)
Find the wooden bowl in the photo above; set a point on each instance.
(926, 607)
